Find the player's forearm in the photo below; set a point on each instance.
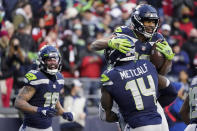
(166, 67)
(60, 109)
(25, 106)
(99, 44)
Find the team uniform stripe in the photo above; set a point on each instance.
(107, 83)
(61, 82)
(39, 82)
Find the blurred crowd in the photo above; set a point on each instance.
(72, 25)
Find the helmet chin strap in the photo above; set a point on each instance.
(52, 72)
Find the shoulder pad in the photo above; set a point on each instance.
(31, 75)
(194, 81)
(105, 78)
(118, 29)
(59, 75)
(124, 30)
(60, 79)
(121, 29)
(157, 36)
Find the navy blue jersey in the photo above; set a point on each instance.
(134, 87)
(47, 95)
(193, 100)
(143, 50)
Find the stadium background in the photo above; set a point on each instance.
(71, 25)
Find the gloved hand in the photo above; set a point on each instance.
(120, 44)
(164, 48)
(68, 116)
(46, 111)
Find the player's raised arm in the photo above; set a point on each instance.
(21, 102)
(119, 44)
(166, 50)
(185, 111)
(100, 44)
(106, 106)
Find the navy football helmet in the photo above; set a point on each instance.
(141, 13)
(49, 60)
(113, 56)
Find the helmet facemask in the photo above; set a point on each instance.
(52, 65)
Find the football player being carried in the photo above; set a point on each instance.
(143, 32)
(133, 85)
(39, 98)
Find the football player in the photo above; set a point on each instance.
(144, 35)
(133, 85)
(39, 98)
(188, 110)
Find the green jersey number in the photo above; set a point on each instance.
(137, 86)
(51, 99)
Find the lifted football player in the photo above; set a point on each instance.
(144, 35)
(133, 85)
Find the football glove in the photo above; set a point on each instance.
(68, 116)
(46, 111)
(165, 49)
(120, 44)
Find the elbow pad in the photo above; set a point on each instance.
(102, 113)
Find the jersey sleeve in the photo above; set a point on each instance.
(106, 81)
(122, 30)
(157, 36)
(32, 79)
(194, 82)
(60, 80)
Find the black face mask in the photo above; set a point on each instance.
(185, 16)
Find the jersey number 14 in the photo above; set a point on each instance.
(137, 86)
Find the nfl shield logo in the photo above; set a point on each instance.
(54, 86)
(143, 48)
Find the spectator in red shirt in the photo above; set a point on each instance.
(91, 68)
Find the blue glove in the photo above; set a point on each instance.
(68, 116)
(46, 111)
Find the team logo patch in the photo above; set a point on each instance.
(30, 76)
